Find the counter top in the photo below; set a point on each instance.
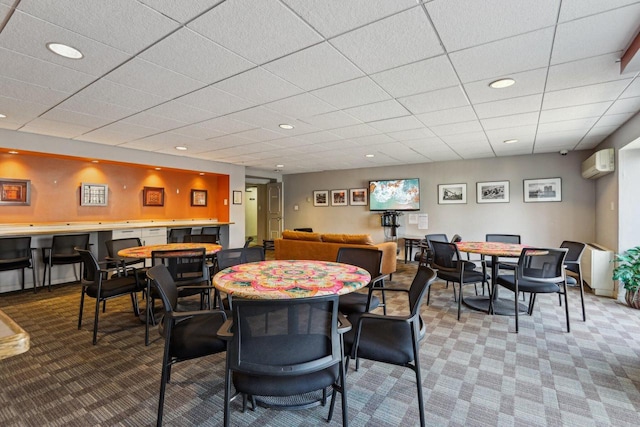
(22, 229)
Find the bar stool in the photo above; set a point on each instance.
(62, 252)
(16, 254)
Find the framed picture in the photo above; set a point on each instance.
(15, 192)
(543, 190)
(492, 192)
(321, 198)
(339, 198)
(452, 194)
(153, 196)
(94, 194)
(198, 197)
(237, 197)
(358, 197)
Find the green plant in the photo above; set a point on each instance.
(627, 269)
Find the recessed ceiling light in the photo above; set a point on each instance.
(201, 174)
(2, 116)
(181, 148)
(279, 166)
(158, 169)
(502, 83)
(286, 126)
(95, 161)
(13, 152)
(64, 50)
(369, 155)
(510, 141)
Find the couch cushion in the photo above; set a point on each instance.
(301, 235)
(358, 239)
(333, 238)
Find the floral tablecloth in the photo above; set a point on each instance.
(284, 279)
(145, 251)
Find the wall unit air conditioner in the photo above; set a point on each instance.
(597, 269)
(600, 163)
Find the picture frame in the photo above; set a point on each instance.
(321, 198)
(15, 192)
(339, 198)
(492, 192)
(198, 197)
(542, 190)
(92, 194)
(153, 196)
(449, 194)
(237, 197)
(358, 197)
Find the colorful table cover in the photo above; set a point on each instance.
(145, 251)
(284, 279)
(496, 249)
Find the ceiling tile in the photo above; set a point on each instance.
(503, 57)
(20, 111)
(304, 105)
(584, 95)
(397, 124)
(355, 131)
(135, 28)
(412, 134)
(577, 112)
(456, 128)
(332, 120)
(614, 119)
(258, 85)
(181, 112)
(599, 69)
(84, 105)
(573, 9)
(441, 99)
(524, 134)
(378, 111)
(116, 133)
(352, 93)
(527, 83)
(54, 128)
(72, 117)
(567, 125)
(397, 40)
(152, 121)
(333, 17)
(462, 24)
(627, 105)
(181, 11)
(315, 67)
(189, 53)
(592, 35)
(215, 100)
(632, 90)
(514, 120)
(16, 89)
(444, 117)
(259, 31)
(421, 76)
(116, 94)
(505, 107)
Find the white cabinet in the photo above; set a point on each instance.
(597, 269)
(153, 236)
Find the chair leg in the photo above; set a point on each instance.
(227, 394)
(416, 365)
(134, 303)
(459, 298)
(516, 308)
(584, 313)
(81, 308)
(566, 306)
(95, 321)
(163, 384)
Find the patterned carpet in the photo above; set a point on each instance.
(476, 371)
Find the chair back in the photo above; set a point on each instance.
(253, 254)
(201, 238)
(456, 238)
(184, 265)
(419, 286)
(228, 258)
(445, 256)
(369, 259)
(15, 252)
(503, 238)
(176, 235)
(543, 265)
(91, 273)
(298, 336)
(163, 282)
(215, 230)
(574, 255)
(65, 244)
(248, 242)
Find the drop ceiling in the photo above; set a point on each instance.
(404, 80)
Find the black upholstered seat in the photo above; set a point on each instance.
(16, 254)
(370, 260)
(62, 252)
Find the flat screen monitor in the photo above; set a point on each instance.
(394, 195)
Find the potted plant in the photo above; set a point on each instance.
(627, 271)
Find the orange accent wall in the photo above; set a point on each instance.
(55, 191)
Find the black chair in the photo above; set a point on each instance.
(298, 351)
(452, 268)
(572, 265)
(120, 264)
(176, 235)
(370, 260)
(96, 285)
(502, 238)
(201, 238)
(394, 339)
(16, 254)
(426, 250)
(190, 272)
(187, 335)
(539, 270)
(234, 256)
(248, 242)
(212, 231)
(62, 252)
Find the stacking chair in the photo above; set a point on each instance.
(370, 260)
(201, 238)
(539, 270)
(211, 231)
(16, 254)
(176, 235)
(503, 238)
(426, 254)
(234, 256)
(572, 266)
(187, 335)
(452, 268)
(96, 285)
(62, 252)
(394, 339)
(299, 351)
(190, 272)
(120, 264)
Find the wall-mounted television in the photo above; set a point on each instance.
(394, 195)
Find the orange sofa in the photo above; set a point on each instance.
(324, 247)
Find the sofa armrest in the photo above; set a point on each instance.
(389, 256)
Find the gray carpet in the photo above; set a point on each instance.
(476, 371)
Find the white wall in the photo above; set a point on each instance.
(544, 224)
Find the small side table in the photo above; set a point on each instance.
(268, 245)
(409, 244)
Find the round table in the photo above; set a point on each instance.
(283, 279)
(145, 251)
(494, 250)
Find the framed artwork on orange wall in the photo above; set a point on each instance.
(153, 196)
